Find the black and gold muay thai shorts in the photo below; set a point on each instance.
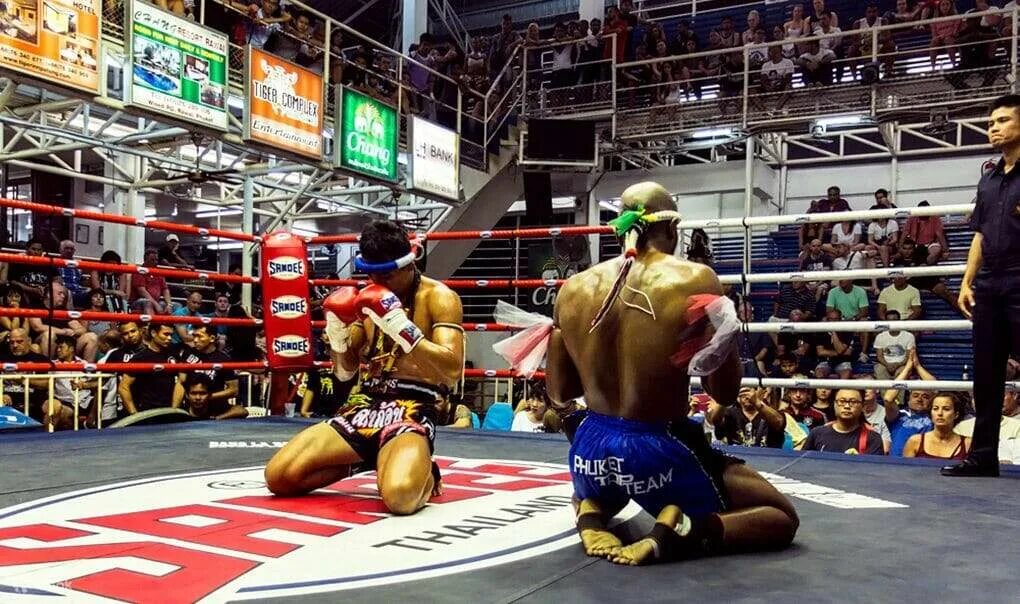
(384, 409)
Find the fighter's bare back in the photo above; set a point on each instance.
(624, 365)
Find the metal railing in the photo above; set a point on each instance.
(876, 72)
(100, 395)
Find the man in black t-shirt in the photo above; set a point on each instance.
(130, 345)
(838, 348)
(31, 278)
(751, 422)
(14, 388)
(204, 350)
(849, 433)
(324, 394)
(198, 398)
(151, 389)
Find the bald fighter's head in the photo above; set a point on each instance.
(653, 197)
(650, 195)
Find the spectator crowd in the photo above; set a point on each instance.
(49, 338)
(854, 420)
(843, 245)
(678, 61)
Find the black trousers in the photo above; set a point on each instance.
(996, 334)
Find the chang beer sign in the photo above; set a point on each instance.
(367, 141)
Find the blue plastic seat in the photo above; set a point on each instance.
(499, 417)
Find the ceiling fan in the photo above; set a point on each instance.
(199, 175)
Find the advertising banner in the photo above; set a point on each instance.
(435, 164)
(560, 258)
(53, 40)
(178, 67)
(284, 104)
(367, 135)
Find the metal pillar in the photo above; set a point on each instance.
(415, 21)
(894, 178)
(784, 178)
(248, 226)
(593, 219)
(591, 9)
(748, 208)
(127, 241)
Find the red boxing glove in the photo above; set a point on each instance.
(383, 307)
(341, 310)
(343, 302)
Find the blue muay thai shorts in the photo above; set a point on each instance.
(614, 460)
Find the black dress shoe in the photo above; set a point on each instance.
(969, 467)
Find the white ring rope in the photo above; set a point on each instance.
(859, 326)
(898, 213)
(938, 270)
(952, 385)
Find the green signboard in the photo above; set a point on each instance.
(367, 140)
(177, 67)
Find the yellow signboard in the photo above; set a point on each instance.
(57, 41)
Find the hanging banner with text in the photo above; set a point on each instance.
(178, 67)
(284, 105)
(367, 135)
(53, 40)
(435, 165)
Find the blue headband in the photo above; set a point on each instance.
(383, 267)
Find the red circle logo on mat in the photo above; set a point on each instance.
(219, 535)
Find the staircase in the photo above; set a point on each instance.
(487, 197)
(488, 192)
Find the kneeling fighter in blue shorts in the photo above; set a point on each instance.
(638, 326)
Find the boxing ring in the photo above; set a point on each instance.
(181, 513)
(872, 528)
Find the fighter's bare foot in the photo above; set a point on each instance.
(647, 549)
(600, 543)
(637, 553)
(597, 540)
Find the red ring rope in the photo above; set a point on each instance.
(569, 231)
(91, 315)
(103, 217)
(458, 283)
(131, 367)
(124, 268)
(190, 367)
(472, 373)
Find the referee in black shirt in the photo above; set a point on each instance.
(990, 292)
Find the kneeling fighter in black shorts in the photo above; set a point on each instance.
(404, 333)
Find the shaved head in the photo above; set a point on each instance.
(651, 195)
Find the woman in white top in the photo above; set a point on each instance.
(797, 26)
(819, 8)
(883, 236)
(530, 414)
(847, 232)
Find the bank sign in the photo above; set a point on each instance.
(177, 68)
(435, 162)
(367, 141)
